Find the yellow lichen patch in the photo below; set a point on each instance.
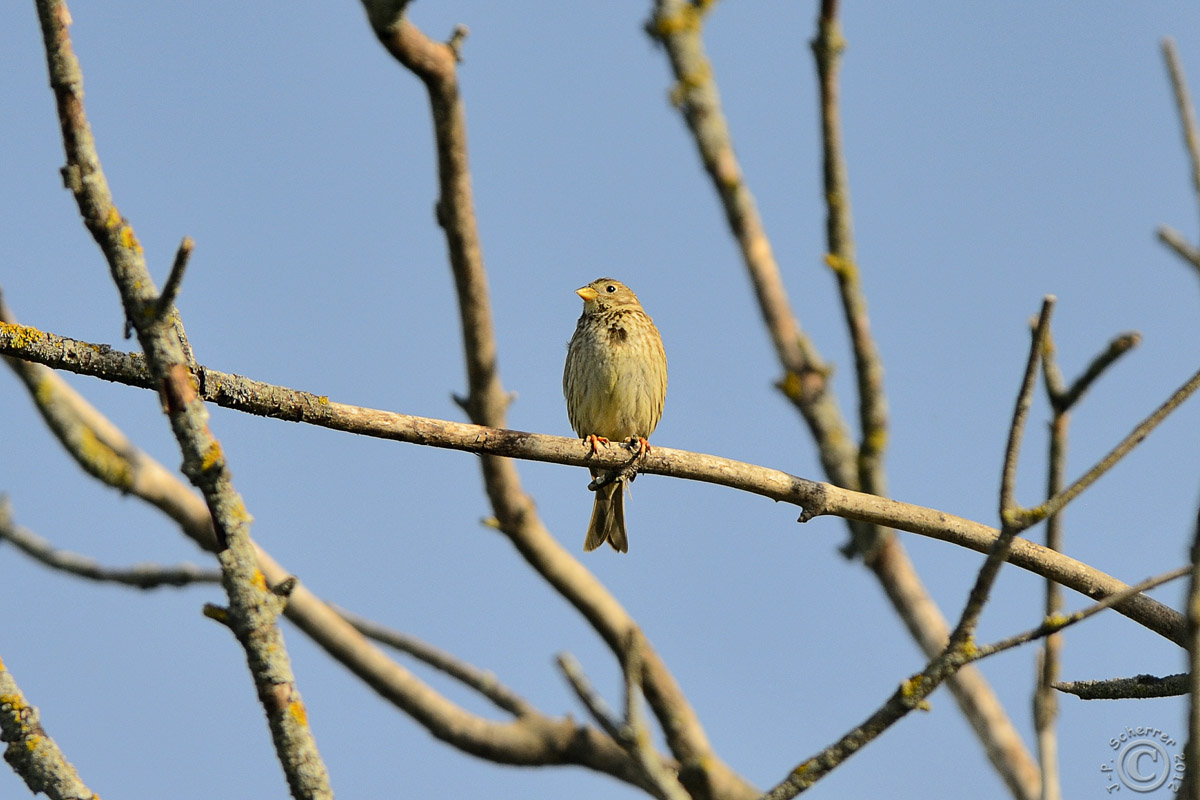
(842, 267)
(259, 580)
(239, 512)
(298, 712)
(12, 701)
(21, 335)
(113, 219)
(323, 400)
(33, 742)
(968, 648)
(212, 456)
(876, 441)
(791, 385)
(43, 393)
(686, 21)
(105, 462)
(911, 689)
(129, 240)
(1056, 621)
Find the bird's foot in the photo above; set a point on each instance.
(593, 441)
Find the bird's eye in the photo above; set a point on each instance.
(610, 288)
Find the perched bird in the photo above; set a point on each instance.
(615, 383)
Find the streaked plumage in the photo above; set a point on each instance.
(615, 384)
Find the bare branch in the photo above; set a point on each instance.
(141, 576)
(31, 752)
(1187, 113)
(592, 700)
(1138, 687)
(635, 733)
(828, 46)
(1027, 517)
(482, 681)
(1192, 749)
(677, 24)
(1062, 400)
(170, 290)
(535, 739)
(1053, 623)
(252, 610)
(912, 693)
(1174, 239)
(1016, 430)
(435, 64)
(817, 499)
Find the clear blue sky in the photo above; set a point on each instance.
(997, 153)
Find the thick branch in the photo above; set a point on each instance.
(252, 608)
(676, 24)
(817, 499)
(532, 740)
(31, 752)
(435, 64)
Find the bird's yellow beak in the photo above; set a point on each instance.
(587, 293)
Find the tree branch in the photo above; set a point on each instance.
(31, 752)
(1062, 400)
(141, 576)
(817, 499)
(677, 24)
(1191, 780)
(1138, 687)
(435, 64)
(828, 46)
(913, 693)
(252, 608)
(471, 676)
(532, 740)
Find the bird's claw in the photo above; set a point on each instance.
(593, 441)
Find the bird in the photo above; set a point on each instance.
(615, 385)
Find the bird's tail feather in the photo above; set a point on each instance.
(608, 519)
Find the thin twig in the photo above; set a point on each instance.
(636, 733)
(1174, 239)
(435, 64)
(1187, 113)
(533, 739)
(828, 46)
(1027, 517)
(1136, 688)
(1191, 780)
(1062, 400)
(170, 289)
(141, 576)
(596, 705)
(25, 345)
(1016, 430)
(31, 752)
(913, 693)
(1054, 623)
(469, 675)
(253, 609)
(1049, 657)
(1119, 346)
(677, 25)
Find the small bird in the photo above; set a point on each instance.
(615, 383)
